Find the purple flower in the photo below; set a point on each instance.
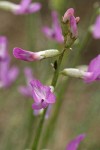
(94, 70)
(25, 7)
(55, 32)
(27, 90)
(96, 28)
(7, 74)
(25, 55)
(34, 56)
(42, 95)
(73, 145)
(69, 16)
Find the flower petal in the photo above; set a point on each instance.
(73, 145)
(37, 106)
(94, 68)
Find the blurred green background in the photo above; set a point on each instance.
(80, 109)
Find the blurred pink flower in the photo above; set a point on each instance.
(73, 145)
(55, 32)
(42, 95)
(69, 16)
(26, 7)
(34, 56)
(7, 74)
(96, 28)
(94, 70)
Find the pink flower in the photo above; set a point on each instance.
(55, 32)
(42, 95)
(73, 145)
(69, 16)
(25, 55)
(34, 56)
(25, 7)
(7, 74)
(94, 70)
(96, 28)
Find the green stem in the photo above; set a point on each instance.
(40, 127)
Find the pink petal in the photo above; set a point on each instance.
(73, 145)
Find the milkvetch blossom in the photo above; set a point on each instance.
(7, 74)
(27, 91)
(34, 56)
(55, 32)
(25, 7)
(69, 17)
(92, 73)
(96, 28)
(42, 95)
(94, 70)
(74, 144)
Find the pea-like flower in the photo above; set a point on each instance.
(69, 17)
(96, 28)
(55, 32)
(42, 95)
(34, 56)
(25, 7)
(92, 73)
(74, 144)
(94, 70)
(7, 74)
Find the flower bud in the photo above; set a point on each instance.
(34, 56)
(75, 73)
(69, 27)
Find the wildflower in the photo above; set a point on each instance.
(55, 32)
(96, 28)
(24, 7)
(92, 73)
(34, 56)
(69, 27)
(73, 145)
(7, 74)
(94, 70)
(43, 96)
